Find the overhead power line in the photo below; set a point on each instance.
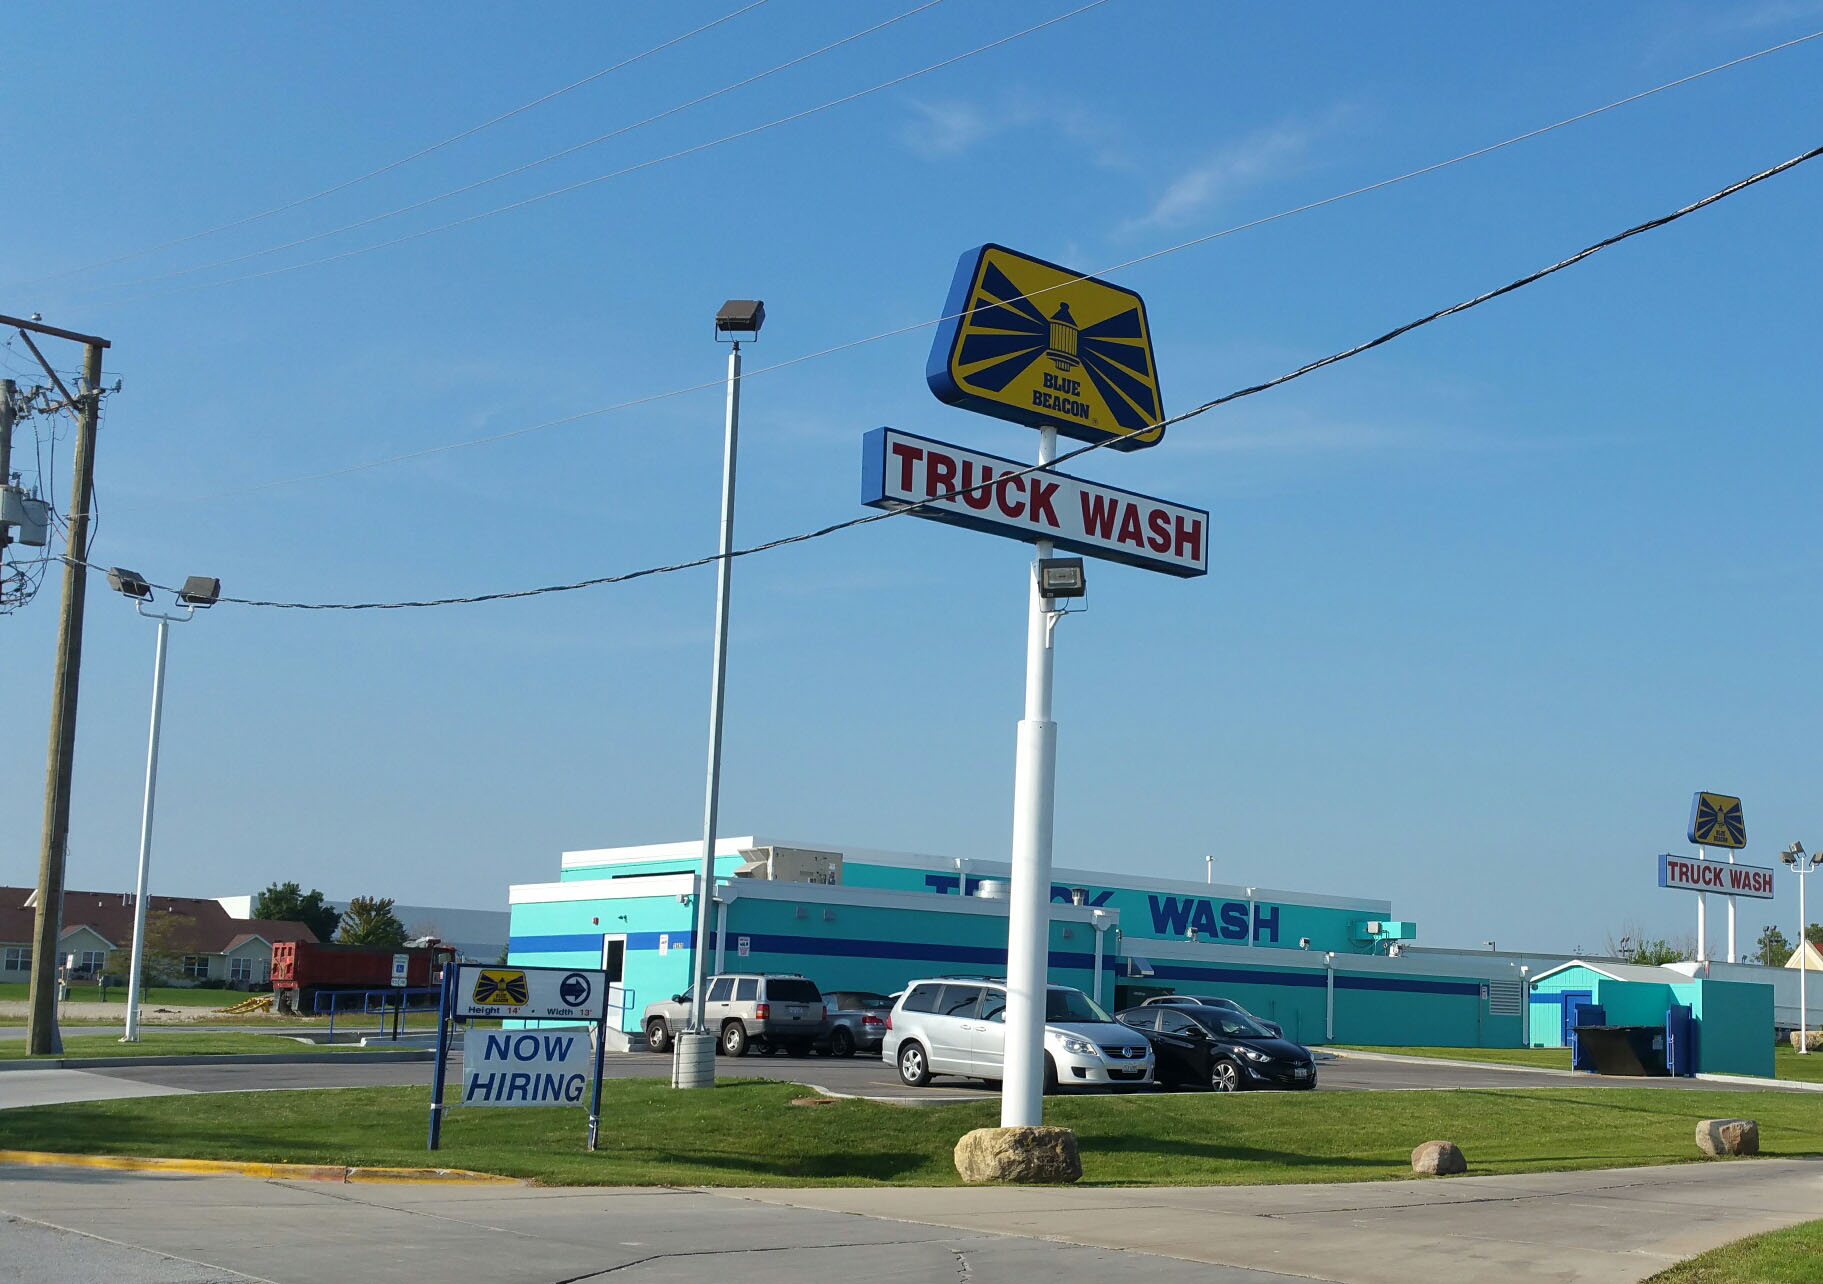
(645, 164)
(896, 332)
(387, 168)
(479, 183)
(1311, 367)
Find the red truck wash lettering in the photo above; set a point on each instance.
(1005, 497)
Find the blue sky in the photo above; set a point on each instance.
(1484, 607)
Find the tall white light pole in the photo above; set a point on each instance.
(1029, 910)
(198, 591)
(738, 317)
(1802, 862)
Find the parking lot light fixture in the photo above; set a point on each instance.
(738, 321)
(199, 591)
(1802, 862)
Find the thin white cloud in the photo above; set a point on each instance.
(948, 129)
(1260, 158)
(944, 130)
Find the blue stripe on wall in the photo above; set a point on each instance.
(592, 941)
(835, 947)
(840, 948)
(1344, 981)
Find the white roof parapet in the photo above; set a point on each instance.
(607, 856)
(1636, 972)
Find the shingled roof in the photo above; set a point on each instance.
(201, 926)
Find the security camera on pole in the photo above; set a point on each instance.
(1040, 345)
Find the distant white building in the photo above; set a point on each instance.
(479, 935)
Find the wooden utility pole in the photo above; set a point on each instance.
(9, 396)
(42, 1038)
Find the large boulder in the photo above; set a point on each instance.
(1019, 1154)
(1728, 1137)
(1439, 1159)
(1813, 1039)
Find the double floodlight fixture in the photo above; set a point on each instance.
(1061, 577)
(1792, 854)
(198, 590)
(740, 319)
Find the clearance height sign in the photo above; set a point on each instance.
(1004, 497)
(521, 1067)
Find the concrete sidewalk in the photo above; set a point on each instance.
(1610, 1227)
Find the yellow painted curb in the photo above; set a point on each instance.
(287, 1172)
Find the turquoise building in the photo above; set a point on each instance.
(1734, 1019)
(1327, 968)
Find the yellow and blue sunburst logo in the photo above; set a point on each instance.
(1038, 344)
(498, 987)
(1716, 821)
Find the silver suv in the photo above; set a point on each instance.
(957, 1025)
(777, 1010)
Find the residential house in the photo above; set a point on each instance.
(206, 942)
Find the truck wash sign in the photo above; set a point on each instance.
(1211, 919)
(1687, 874)
(988, 493)
(1029, 341)
(526, 1067)
(531, 993)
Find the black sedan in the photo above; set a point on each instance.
(1223, 1050)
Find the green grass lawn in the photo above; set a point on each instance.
(744, 1132)
(1786, 1062)
(171, 1043)
(1790, 1256)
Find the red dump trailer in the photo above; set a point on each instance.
(303, 969)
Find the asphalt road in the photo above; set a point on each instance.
(857, 1076)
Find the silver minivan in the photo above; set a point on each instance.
(957, 1025)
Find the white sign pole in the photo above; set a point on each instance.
(1029, 909)
(1731, 954)
(1702, 916)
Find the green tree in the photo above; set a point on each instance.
(1655, 953)
(370, 921)
(288, 903)
(1772, 949)
(168, 936)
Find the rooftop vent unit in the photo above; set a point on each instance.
(791, 865)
